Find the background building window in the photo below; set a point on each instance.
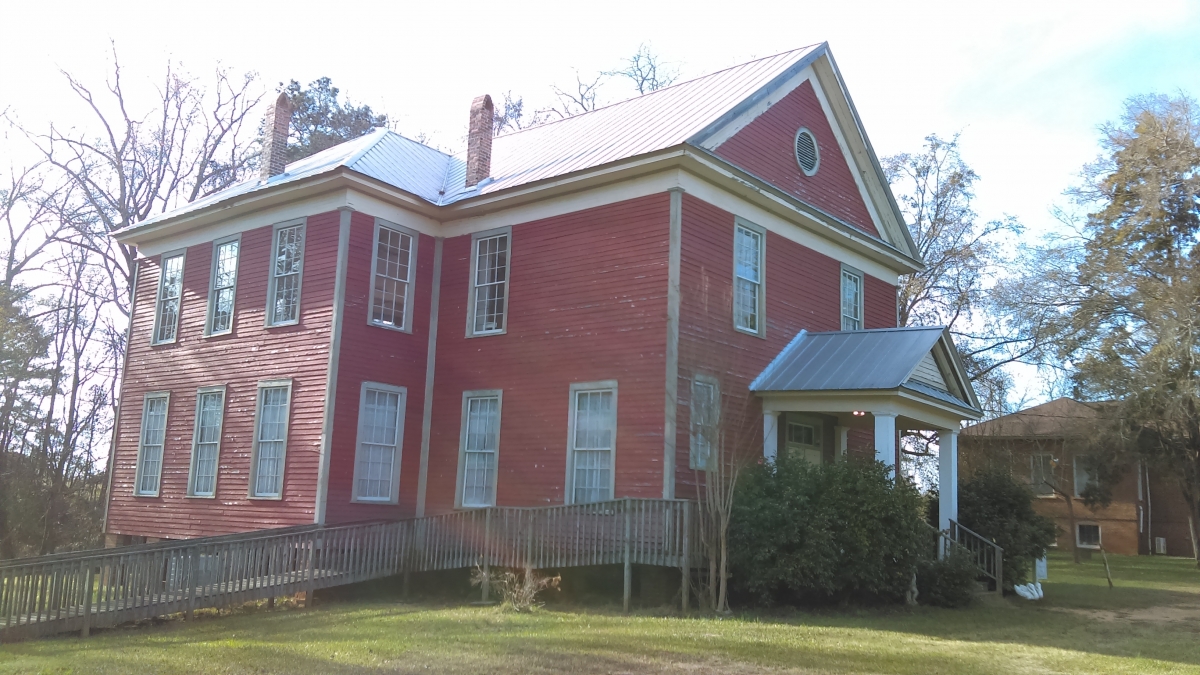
(224, 282)
(481, 441)
(747, 292)
(286, 266)
(593, 437)
(270, 443)
(1087, 535)
(170, 288)
(210, 409)
(851, 300)
(150, 454)
(393, 270)
(490, 285)
(1041, 475)
(705, 416)
(379, 439)
(1083, 477)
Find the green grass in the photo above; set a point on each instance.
(1141, 626)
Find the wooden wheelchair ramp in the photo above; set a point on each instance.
(105, 587)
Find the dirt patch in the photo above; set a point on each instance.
(1159, 614)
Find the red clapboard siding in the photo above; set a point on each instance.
(587, 302)
(766, 148)
(239, 360)
(373, 354)
(802, 292)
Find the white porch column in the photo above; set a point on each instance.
(770, 436)
(841, 441)
(947, 477)
(885, 439)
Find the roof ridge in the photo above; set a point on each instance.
(661, 89)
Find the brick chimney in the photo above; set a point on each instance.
(275, 137)
(479, 140)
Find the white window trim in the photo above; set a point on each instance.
(181, 253)
(862, 295)
(762, 281)
(1040, 495)
(716, 384)
(287, 422)
(488, 234)
(1099, 535)
(137, 474)
(269, 317)
(498, 394)
(576, 387)
(212, 283)
(191, 486)
(401, 410)
(412, 274)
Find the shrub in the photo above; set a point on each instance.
(835, 532)
(948, 582)
(997, 506)
(518, 591)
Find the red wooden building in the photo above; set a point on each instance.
(383, 330)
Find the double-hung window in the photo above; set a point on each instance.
(705, 416)
(852, 283)
(380, 437)
(287, 265)
(487, 313)
(480, 445)
(170, 291)
(748, 297)
(222, 286)
(206, 441)
(270, 439)
(392, 268)
(592, 443)
(1041, 474)
(1083, 477)
(151, 445)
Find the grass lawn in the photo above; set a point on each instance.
(1149, 623)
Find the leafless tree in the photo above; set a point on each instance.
(647, 71)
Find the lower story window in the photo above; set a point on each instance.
(480, 443)
(593, 432)
(1088, 535)
(210, 406)
(150, 452)
(380, 431)
(270, 440)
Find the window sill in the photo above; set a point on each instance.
(163, 343)
(283, 324)
(212, 496)
(746, 331)
(377, 502)
(488, 333)
(266, 498)
(1090, 547)
(394, 329)
(224, 333)
(143, 495)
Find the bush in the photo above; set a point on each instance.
(997, 506)
(836, 532)
(948, 582)
(518, 590)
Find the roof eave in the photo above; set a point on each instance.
(963, 411)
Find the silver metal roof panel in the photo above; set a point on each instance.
(848, 360)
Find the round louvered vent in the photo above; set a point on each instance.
(807, 155)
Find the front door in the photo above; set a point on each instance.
(804, 439)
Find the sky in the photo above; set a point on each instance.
(1026, 84)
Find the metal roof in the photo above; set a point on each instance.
(881, 359)
(655, 121)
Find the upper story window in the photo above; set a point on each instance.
(270, 439)
(166, 306)
(380, 437)
(222, 286)
(150, 447)
(593, 440)
(705, 416)
(287, 264)
(480, 444)
(1083, 477)
(1041, 474)
(852, 300)
(748, 295)
(488, 310)
(392, 269)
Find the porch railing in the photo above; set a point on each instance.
(985, 553)
(105, 587)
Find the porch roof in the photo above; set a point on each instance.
(918, 360)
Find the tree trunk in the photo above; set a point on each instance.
(1074, 532)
